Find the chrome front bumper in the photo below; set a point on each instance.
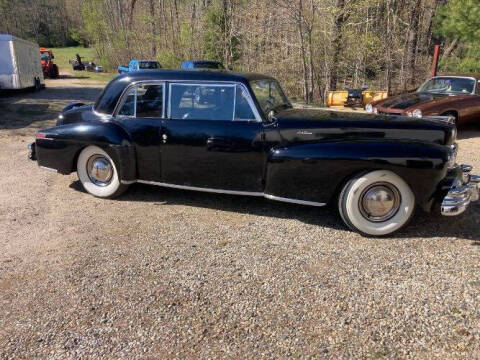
(461, 193)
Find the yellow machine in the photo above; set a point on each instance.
(338, 98)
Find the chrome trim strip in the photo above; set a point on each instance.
(128, 182)
(293, 201)
(102, 115)
(258, 118)
(49, 169)
(183, 187)
(230, 192)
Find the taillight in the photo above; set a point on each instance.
(40, 135)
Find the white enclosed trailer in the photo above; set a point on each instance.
(20, 65)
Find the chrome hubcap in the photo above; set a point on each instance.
(99, 170)
(379, 202)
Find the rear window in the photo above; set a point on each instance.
(110, 95)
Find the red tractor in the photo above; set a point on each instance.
(50, 69)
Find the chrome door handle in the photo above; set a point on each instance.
(164, 138)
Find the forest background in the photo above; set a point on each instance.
(311, 46)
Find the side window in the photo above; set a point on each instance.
(149, 101)
(128, 107)
(243, 111)
(202, 102)
(143, 101)
(478, 87)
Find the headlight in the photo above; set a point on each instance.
(369, 108)
(375, 110)
(417, 113)
(409, 113)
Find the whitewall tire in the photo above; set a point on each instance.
(376, 203)
(98, 173)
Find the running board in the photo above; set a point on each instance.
(229, 192)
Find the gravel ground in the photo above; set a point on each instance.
(163, 273)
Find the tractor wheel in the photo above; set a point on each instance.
(54, 72)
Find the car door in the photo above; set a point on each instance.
(212, 138)
(141, 111)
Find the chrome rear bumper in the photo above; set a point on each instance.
(32, 154)
(461, 193)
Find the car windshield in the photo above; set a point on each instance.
(448, 85)
(269, 95)
(148, 65)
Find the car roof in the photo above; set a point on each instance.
(109, 97)
(198, 74)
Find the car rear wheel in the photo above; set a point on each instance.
(98, 174)
(376, 203)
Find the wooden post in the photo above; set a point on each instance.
(436, 51)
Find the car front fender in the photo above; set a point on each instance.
(317, 171)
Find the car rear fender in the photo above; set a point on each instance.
(317, 171)
(61, 145)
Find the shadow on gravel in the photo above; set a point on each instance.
(469, 132)
(423, 225)
(59, 93)
(20, 115)
(73, 77)
(20, 109)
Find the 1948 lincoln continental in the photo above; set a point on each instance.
(235, 133)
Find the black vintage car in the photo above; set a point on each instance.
(238, 134)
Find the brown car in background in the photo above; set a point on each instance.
(457, 96)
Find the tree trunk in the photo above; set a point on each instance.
(450, 48)
(412, 45)
(337, 42)
(154, 29)
(302, 47)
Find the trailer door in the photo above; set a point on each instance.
(6, 65)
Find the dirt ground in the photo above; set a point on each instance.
(163, 273)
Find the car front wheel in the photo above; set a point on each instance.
(98, 174)
(376, 203)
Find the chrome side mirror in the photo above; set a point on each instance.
(271, 116)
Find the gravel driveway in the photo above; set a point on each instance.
(162, 273)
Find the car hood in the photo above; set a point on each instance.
(300, 125)
(416, 100)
